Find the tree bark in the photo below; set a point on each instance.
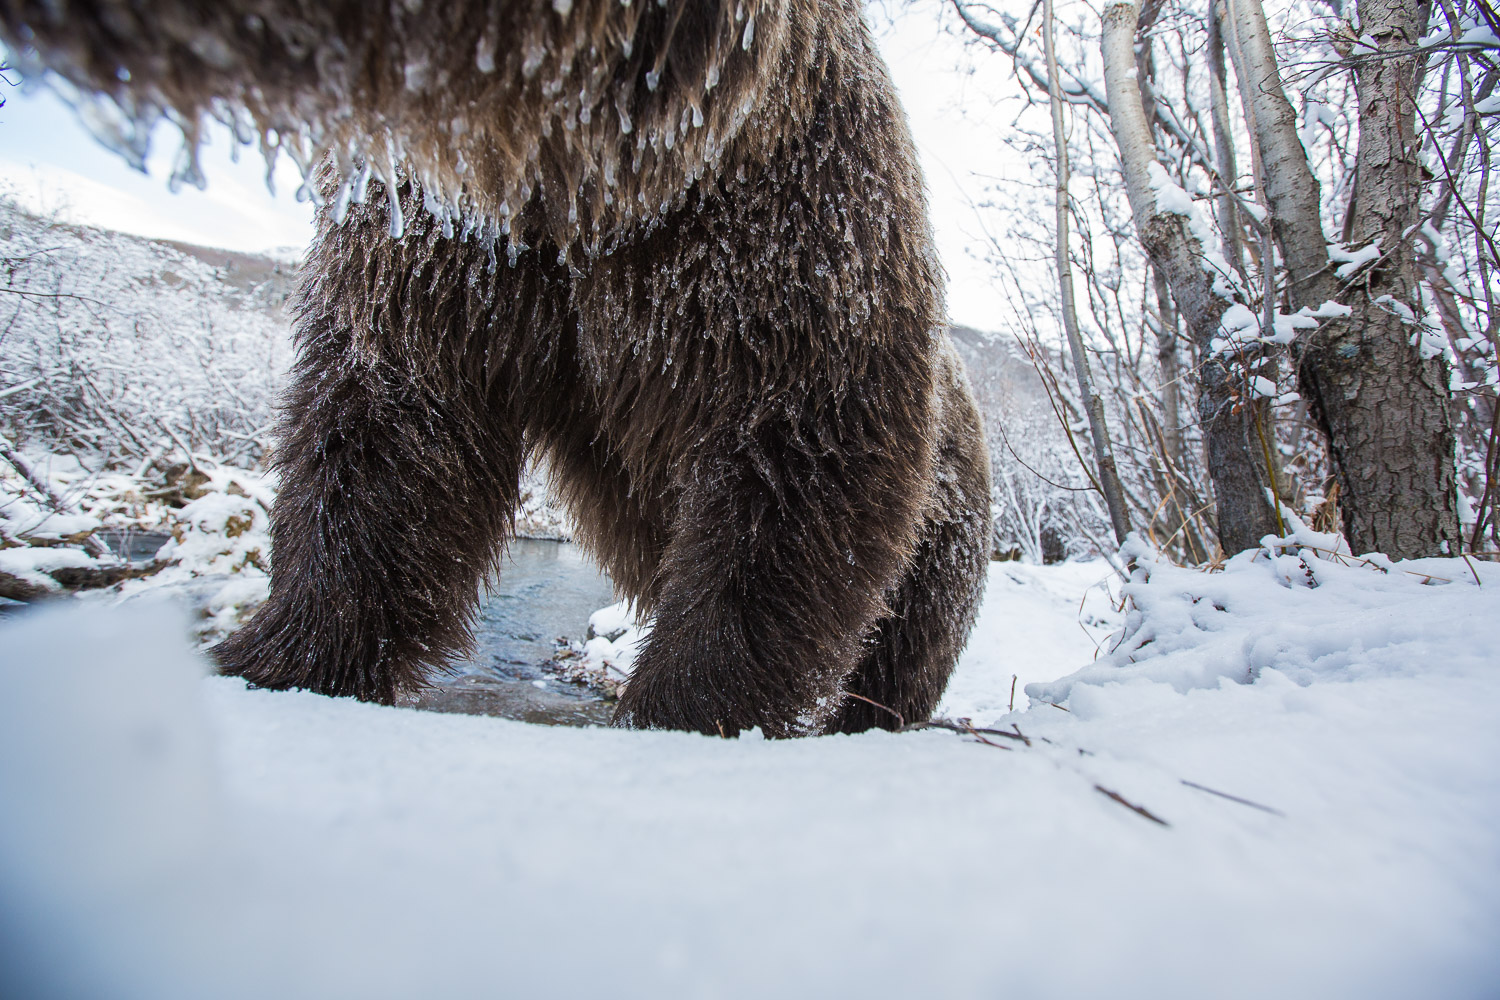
(1292, 191)
(1239, 478)
(1166, 366)
(1383, 407)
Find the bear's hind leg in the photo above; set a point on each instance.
(772, 578)
(915, 647)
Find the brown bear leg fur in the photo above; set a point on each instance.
(917, 645)
(792, 454)
(747, 404)
(400, 450)
(734, 361)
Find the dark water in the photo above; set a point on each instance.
(547, 590)
(131, 544)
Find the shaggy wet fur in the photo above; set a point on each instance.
(722, 326)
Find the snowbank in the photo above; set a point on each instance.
(34, 566)
(169, 836)
(1036, 623)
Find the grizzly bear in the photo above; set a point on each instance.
(679, 247)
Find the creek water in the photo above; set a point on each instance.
(546, 591)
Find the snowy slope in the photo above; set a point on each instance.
(167, 836)
(1036, 624)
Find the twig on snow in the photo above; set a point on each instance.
(1139, 810)
(1233, 798)
(965, 728)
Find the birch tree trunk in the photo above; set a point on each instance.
(1167, 368)
(1229, 217)
(1104, 457)
(1166, 311)
(1292, 191)
(1239, 478)
(1382, 406)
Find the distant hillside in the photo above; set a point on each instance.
(997, 366)
(268, 280)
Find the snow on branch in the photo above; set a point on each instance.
(1007, 34)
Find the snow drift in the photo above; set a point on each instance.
(1290, 791)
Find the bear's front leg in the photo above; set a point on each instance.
(392, 506)
(399, 458)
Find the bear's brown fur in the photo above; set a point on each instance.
(720, 320)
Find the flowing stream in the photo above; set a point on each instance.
(546, 591)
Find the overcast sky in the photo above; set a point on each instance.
(50, 163)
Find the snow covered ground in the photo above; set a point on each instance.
(167, 836)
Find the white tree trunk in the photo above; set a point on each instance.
(1239, 479)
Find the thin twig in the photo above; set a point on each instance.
(900, 721)
(1233, 798)
(1477, 582)
(958, 727)
(1138, 810)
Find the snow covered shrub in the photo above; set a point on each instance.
(43, 532)
(1301, 606)
(127, 349)
(219, 555)
(26, 521)
(226, 530)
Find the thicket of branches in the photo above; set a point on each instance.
(1283, 263)
(125, 352)
(1044, 508)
